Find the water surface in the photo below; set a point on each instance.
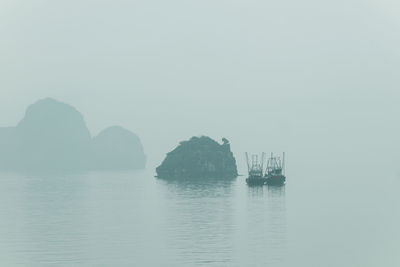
(134, 219)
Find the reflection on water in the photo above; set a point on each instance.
(53, 229)
(198, 188)
(198, 221)
(266, 235)
(217, 223)
(39, 215)
(133, 219)
(126, 218)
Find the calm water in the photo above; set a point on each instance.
(133, 219)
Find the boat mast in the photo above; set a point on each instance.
(254, 162)
(248, 164)
(262, 163)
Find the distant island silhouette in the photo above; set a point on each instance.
(54, 136)
(199, 158)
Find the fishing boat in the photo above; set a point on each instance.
(275, 172)
(255, 169)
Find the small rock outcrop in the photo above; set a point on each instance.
(200, 157)
(116, 148)
(53, 136)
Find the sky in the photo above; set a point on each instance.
(317, 79)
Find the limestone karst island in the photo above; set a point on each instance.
(199, 158)
(54, 136)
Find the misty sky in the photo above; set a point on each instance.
(318, 79)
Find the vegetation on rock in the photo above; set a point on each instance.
(200, 157)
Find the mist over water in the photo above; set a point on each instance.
(318, 80)
(314, 79)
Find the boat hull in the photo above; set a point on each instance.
(275, 180)
(256, 181)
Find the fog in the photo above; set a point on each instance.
(316, 79)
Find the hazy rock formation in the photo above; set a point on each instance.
(53, 136)
(200, 157)
(118, 148)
